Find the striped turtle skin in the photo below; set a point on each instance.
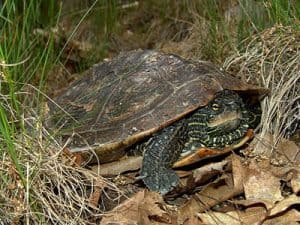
(161, 152)
(221, 123)
(207, 127)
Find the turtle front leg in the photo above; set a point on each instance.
(161, 152)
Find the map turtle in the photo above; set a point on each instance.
(169, 105)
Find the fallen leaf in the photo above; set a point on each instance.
(262, 145)
(295, 182)
(224, 188)
(143, 208)
(189, 209)
(72, 158)
(253, 216)
(95, 195)
(203, 173)
(261, 185)
(247, 202)
(284, 204)
(211, 195)
(291, 217)
(183, 173)
(238, 173)
(118, 167)
(289, 149)
(217, 218)
(193, 220)
(280, 152)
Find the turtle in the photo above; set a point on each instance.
(167, 105)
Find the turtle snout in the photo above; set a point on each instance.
(228, 118)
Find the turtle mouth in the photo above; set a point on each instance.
(226, 119)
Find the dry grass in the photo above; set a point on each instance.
(272, 60)
(55, 190)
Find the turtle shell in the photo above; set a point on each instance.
(119, 102)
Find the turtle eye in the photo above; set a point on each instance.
(215, 106)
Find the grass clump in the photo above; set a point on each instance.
(272, 59)
(42, 182)
(221, 26)
(39, 183)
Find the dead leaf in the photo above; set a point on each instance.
(217, 218)
(291, 217)
(203, 173)
(263, 145)
(214, 193)
(143, 208)
(289, 149)
(295, 182)
(262, 186)
(253, 216)
(280, 152)
(74, 159)
(284, 204)
(118, 167)
(247, 202)
(95, 195)
(183, 173)
(189, 209)
(238, 173)
(193, 220)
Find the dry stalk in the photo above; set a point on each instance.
(55, 190)
(272, 60)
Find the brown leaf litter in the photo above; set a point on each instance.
(143, 208)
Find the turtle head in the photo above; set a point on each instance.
(224, 112)
(222, 122)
